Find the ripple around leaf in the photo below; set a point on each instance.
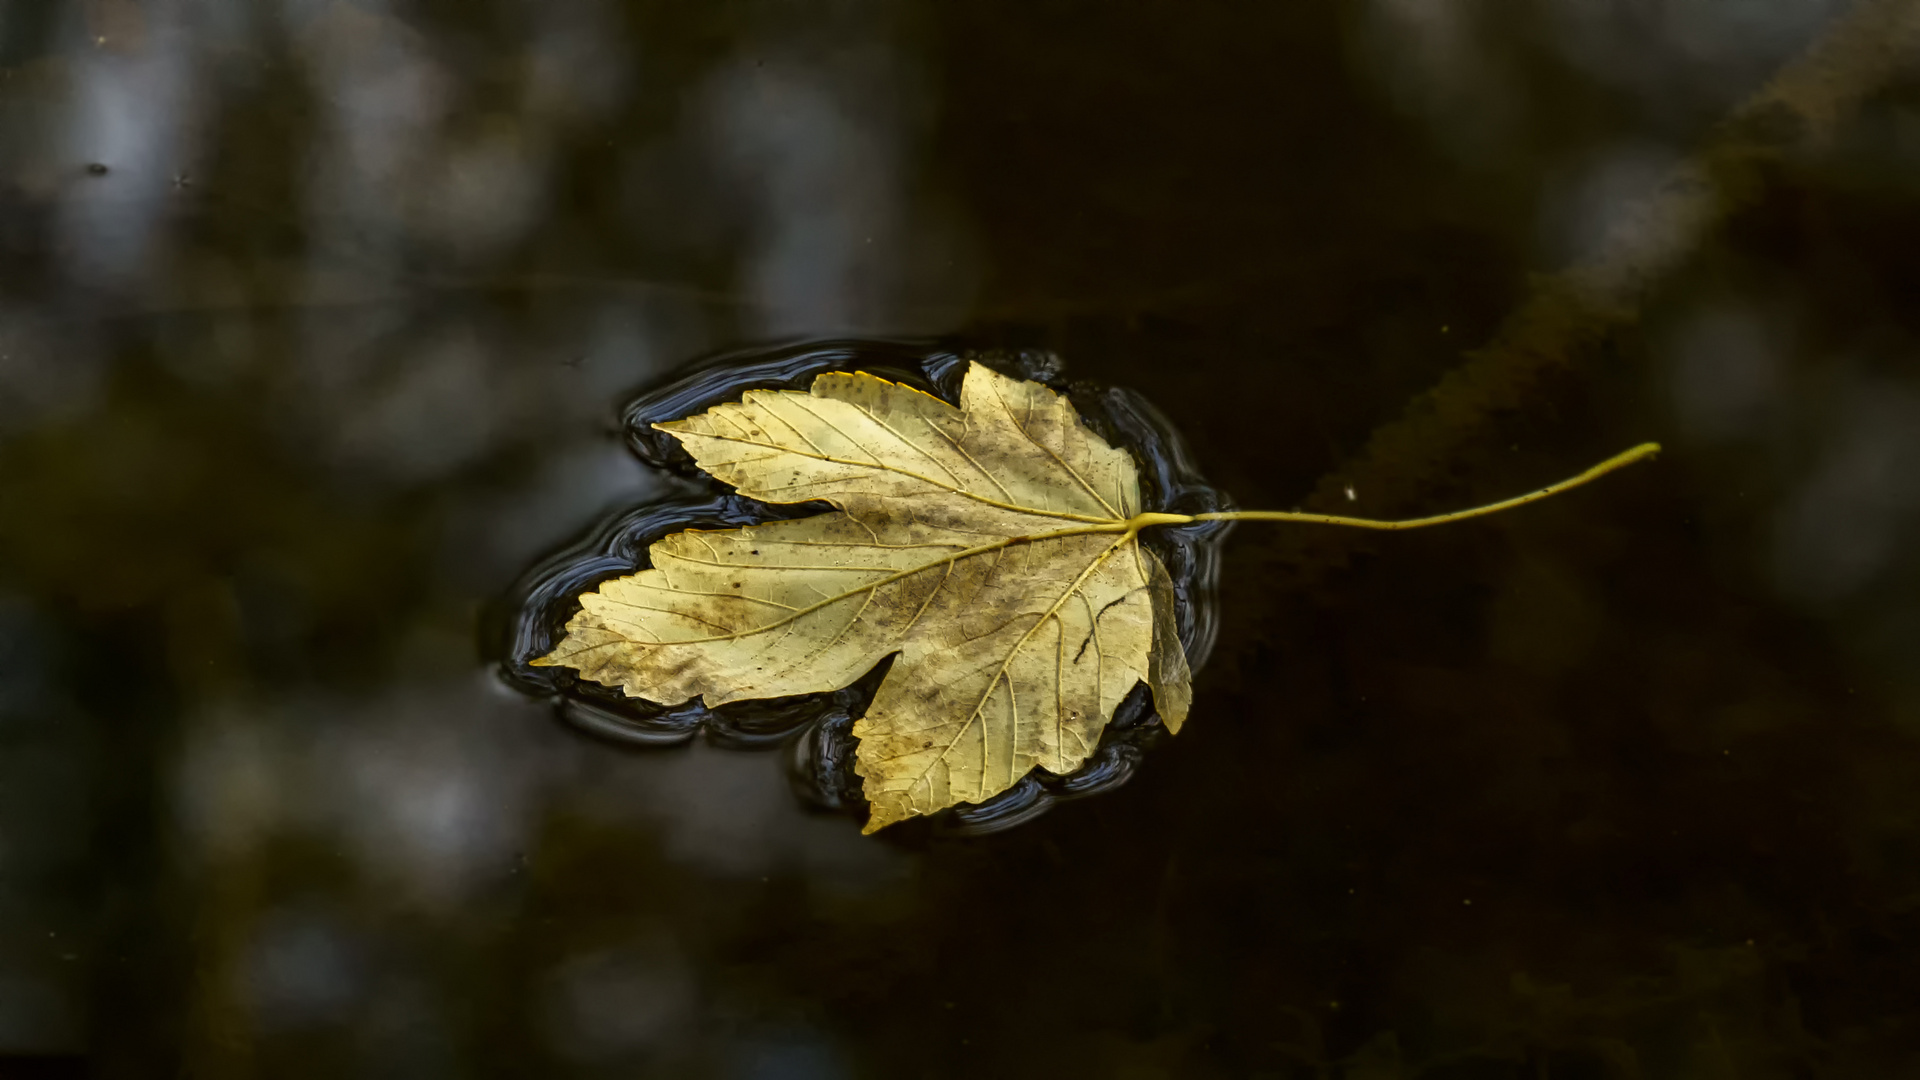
(816, 728)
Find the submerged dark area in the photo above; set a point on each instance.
(316, 319)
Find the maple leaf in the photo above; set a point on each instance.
(994, 547)
(976, 542)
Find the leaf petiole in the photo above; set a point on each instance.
(1618, 461)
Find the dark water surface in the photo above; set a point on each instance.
(317, 319)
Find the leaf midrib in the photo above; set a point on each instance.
(882, 466)
(898, 575)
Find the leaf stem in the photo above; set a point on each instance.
(1618, 461)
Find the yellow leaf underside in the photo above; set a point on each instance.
(988, 546)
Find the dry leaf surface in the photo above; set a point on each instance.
(993, 546)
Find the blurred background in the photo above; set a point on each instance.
(315, 321)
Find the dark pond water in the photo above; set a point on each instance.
(317, 324)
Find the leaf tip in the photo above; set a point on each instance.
(1168, 675)
(1171, 715)
(885, 813)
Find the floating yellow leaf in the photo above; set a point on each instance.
(976, 542)
(994, 547)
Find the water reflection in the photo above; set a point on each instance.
(303, 972)
(313, 321)
(1726, 365)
